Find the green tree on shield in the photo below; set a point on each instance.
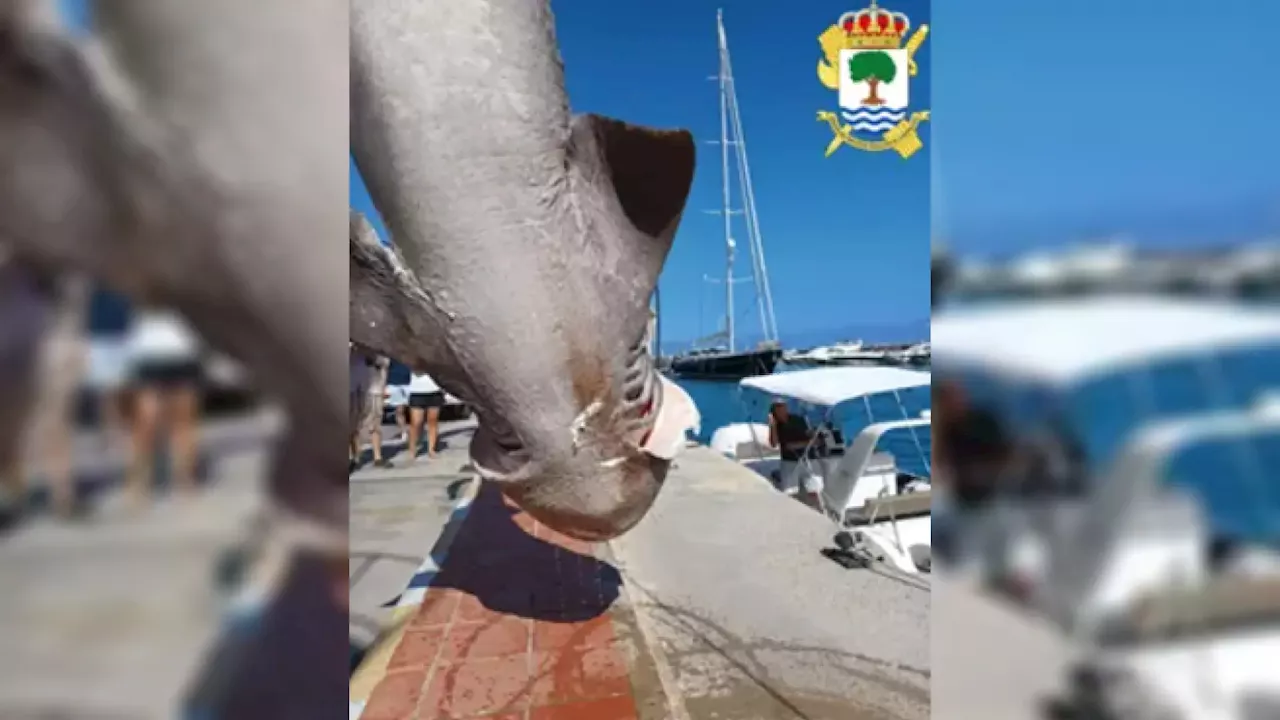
(873, 68)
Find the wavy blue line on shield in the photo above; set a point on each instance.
(874, 120)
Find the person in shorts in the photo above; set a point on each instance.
(359, 377)
(375, 396)
(63, 355)
(425, 400)
(40, 326)
(397, 397)
(166, 371)
(108, 361)
(791, 435)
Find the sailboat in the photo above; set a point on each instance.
(720, 356)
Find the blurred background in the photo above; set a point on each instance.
(1106, 338)
(132, 461)
(1106, 344)
(134, 482)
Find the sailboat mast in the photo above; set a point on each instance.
(724, 178)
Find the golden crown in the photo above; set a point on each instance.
(874, 28)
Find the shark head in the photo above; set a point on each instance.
(526, 245)
(595, 475)
(583, 445)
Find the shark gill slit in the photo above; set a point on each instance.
(640, 390)
(592, 390)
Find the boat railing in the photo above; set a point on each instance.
(840, 489)
(894, 506)
(1223, 603)
(1092, 570)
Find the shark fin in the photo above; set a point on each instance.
(647, 174)
(386, 302)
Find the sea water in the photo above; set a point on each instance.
(724, 402)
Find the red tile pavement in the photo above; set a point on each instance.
(516, 626)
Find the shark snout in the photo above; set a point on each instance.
(604, 474)
(594, 502)
(590, 490)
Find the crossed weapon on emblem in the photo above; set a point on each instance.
(902, 138)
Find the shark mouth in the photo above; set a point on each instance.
(496, 451)
(503, 456)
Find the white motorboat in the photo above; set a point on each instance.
(841, 353)
(881, 512)
(1130, 563)
(1090, 373)
(918, 354)
(1134, 582)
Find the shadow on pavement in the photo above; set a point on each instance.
(514, 573)
(92, 485)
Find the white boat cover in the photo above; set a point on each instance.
(830, 386)
(1063, 341)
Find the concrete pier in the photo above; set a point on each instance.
(110, 616)
(719, 605)
(751, 621)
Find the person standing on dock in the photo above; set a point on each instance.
(358, 381)
(110, 318)
(167, 372)
(425, 400)
(42, 356)
(397, 398)
(374, 404)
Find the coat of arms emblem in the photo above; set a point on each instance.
(869, 59)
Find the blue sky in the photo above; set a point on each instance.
(76, 12)
(1035, 141)
(846, 238)
(1163, 132)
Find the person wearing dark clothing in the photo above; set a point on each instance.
(972, 453)
(110, 321)
(980, 449)
(972, 444)
(791, 435)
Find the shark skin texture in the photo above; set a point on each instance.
(192, 155)
(526, 246)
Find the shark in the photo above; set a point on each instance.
(525, 244)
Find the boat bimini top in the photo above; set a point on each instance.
(1066, 341)
(830, 388)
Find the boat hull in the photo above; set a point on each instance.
(726, 366)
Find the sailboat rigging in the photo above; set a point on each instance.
(728, 361)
